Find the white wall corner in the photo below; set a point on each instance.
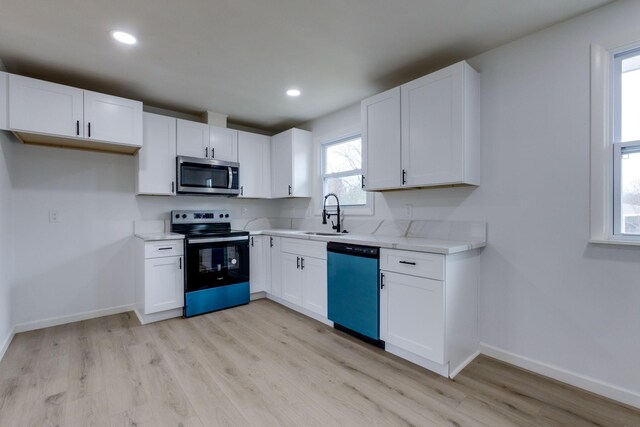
(628, 397)
(4, 345)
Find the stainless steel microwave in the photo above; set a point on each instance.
(207, 177)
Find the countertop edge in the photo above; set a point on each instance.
(458, 246)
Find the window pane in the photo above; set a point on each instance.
(348, 189)
(344, 156)
(630, 99)
(630, 186)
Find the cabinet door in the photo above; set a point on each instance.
(291, 278)
(192, 139)
(43, 107)
(276, 265)
(314, 285)
(432, 128)
(157, 157)
(281, 166)
(301, 163)
(257, 265)
(164, 284)
(113, 119)
(223, 144)
(412, 314)
(254, 154)
(380, 116)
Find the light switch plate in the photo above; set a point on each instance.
(54, 216)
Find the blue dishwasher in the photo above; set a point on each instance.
(354, 291)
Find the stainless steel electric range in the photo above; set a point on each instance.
(216, 260)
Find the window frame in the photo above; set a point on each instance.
(605, 151)
(364, 209)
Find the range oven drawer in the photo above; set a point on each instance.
(164, 248)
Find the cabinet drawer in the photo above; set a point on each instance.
(163, 248)
(305, 248)
(415, 263)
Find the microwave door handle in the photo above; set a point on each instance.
(230, 177)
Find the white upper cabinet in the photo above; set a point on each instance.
(424, 133)
(291, 164)
(41, 107)
(193, 139)
(381, 131)
(197, 139)
(4, 101)
(113, 119)
(440, 131)
(157, 157)
(254, 154)
(223, 144)
(49, 113)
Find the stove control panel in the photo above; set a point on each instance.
(195, 217)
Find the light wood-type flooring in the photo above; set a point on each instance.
(263, 365)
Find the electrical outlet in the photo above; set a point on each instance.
(54, 216)
(408, 211)
(244, 212)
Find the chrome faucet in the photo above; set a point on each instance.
(326, 215)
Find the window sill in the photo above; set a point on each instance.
(620, 242)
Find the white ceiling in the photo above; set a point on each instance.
(238, 57)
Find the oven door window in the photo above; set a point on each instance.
(204, 176)
(211, 265)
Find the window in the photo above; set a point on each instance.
(615, 142)
(342, 171)
(626, 142)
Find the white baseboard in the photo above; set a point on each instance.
(7, 342)
(455, 371)
(300, 310)
(629, 397)
(258, 295)
(157, 317)
(418, 360)
(55, 321)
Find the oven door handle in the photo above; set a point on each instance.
(219, 239)
(230, 177)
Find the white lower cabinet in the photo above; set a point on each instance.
(159, 279)
(275, 262)
(429, 308)
(299, 275)
(260, 264)
(412, 314)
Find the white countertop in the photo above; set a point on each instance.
(150, 237)
(445, 247)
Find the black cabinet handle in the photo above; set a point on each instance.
(298, 262)
(407, 262)
(381, 280)
(302, 264)
(89, 135)
(363, 178)
(213, 153)
(404, 176)
(242, 190)
(180, 263)
(78, 127)
(206, 152)
(251, 241)
(270, 242)
(173, 186)
(165, 249)
(289, 190)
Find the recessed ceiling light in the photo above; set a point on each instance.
(293, 92)
(123, 37)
